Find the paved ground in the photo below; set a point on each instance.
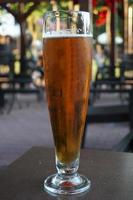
(30, 126)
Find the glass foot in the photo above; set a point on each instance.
(73, 184)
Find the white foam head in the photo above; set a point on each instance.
(62, 34)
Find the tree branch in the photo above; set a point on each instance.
(24, 1)
(10, 11)
(31, 9)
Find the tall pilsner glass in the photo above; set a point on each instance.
(67, 55)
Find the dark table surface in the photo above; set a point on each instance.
(111, 175)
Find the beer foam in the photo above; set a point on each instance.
(54, 34)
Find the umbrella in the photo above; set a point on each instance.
(103, 39)
(11, 30)
(8, 26)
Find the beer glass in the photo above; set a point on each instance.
(67, 56)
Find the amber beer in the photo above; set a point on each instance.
(67, 65)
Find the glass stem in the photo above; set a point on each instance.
(69, 169)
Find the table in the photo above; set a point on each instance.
(111, 174)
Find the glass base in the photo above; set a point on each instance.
(73, 184)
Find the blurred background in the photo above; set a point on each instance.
(24, 119)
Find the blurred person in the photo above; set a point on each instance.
(30, 58)
(99, 56)
(102, 61)
(8, 40)
(2, 42)
(6, 54)
(5, 44)
(38, 73)
(11, 43)
(37, 49)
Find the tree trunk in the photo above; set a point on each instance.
(22, 39)
(112, 45)
(22, 49)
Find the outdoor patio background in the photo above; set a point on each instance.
(30, 126)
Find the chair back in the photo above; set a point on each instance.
(127, 67)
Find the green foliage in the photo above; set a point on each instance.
(130, 2)
(98, 30)
(64, 4)
(13, 6)
(27, 6)
(1, 10)
(41, 9)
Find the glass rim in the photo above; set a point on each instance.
(69, 14)
(66, 11)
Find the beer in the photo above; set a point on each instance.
(67, 66)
